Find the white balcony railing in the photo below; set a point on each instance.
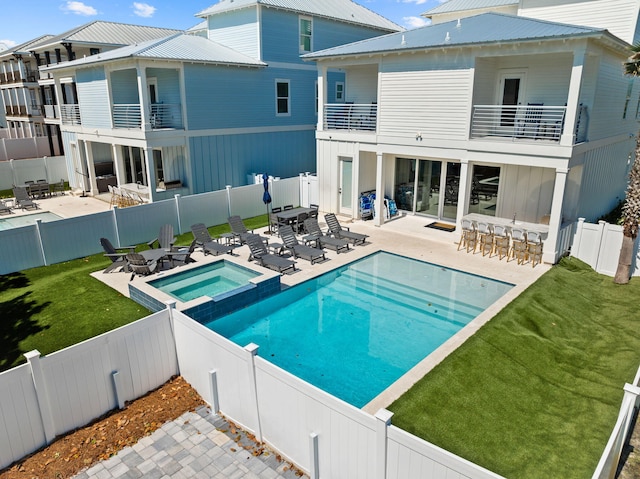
(349, 116)
(530, 122)
(165, 115)
(126, 116)
(70, 114)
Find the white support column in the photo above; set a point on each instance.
(571, 115)
(151, 172)
(463, 191)
(379, 203)
(48, 423)
(91, 170)
(355, 181)
(550, 253)
(322, 95)
(383, 422)
(143, 95)
(252, 351)
(116, 152)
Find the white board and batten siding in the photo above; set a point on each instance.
(617, 16)
(435, 104)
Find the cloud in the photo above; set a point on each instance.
(415, 22)
(143, 9)
(6, 44)
(79, 8)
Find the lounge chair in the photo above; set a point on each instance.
(22, 198)
(204, 240)
(338, 231)
(240, 231)
(116, 255)
(260, 254)
(181, 256)
(322, 240)
(299, 250)
(4, 208)
(165, 238)
(138, 265)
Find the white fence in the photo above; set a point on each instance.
(52, 242)
(28, 147)
(599, 245)
(608, 465)
(57, 393)
(318, 432)
(17, 172)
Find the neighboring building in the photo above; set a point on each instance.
(512, 118)
(187, 114)
(30, 101)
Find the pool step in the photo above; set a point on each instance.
(411, 296)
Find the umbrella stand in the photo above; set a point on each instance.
(266, 198)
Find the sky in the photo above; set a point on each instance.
(25, 21)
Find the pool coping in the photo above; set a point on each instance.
(164, 298)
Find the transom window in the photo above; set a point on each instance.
(282, 97)
(306, 27)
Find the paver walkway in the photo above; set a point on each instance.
(196, 445)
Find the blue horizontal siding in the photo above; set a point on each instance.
(237, 29)
(92, 89)
(168, 84)
(124, 87)
(222, 97)
(222, 160)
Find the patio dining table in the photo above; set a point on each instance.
(292, 214)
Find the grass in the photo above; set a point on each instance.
(52, 307)
(536, 391)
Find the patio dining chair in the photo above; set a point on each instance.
(485, 238)
(534, 247)
(469, 235)
(501, 241)
(518, 245)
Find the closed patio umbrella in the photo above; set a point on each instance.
(266, 197)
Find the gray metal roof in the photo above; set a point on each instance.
(480, 29)
(179, 47)
(459, 5)
(106, 33)
(27, 46)
(342, 10)
(198, 27)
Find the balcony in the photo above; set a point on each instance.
(525, 123)
(70, 114)
(350, 116)
(50, 112)
(165, 115)
(126, 116)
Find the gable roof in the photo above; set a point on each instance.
(342, 10)
(485, 29)
(179, 47)
(27, 46)
(106, 33)
(459, 5)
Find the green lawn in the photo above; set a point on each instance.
(535, 393)
(52, 307)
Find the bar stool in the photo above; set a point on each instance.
(485, 238)
(469, 235)
(501, 241)
(534, 247)
(518, 245)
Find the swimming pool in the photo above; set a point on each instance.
(24, 220)
(354, 331)
(210, 280)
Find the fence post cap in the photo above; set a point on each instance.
(384, 415)
(34, 353)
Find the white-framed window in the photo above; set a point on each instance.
(339, 92)
(283, 98)
(306, 29)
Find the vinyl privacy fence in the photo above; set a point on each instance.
(52, 242)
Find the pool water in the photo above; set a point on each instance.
(25, 220)
(210, 280)
(356, 330)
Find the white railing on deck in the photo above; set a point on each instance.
(165, 115)
(70, 114)
(126, 116)
(348, 116)
(531, 122)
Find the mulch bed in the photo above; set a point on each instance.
(70, 454)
